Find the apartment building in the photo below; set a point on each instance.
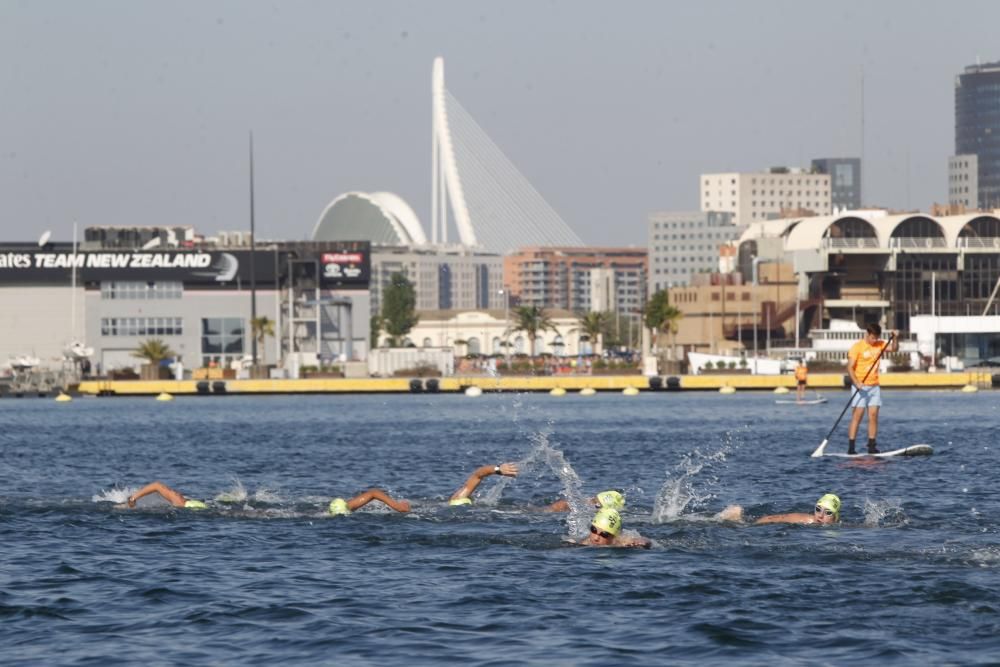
(685, 243)
(576, 278)
(755, 196)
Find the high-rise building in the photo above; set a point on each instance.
(845, 180)
(977, 128)
(683, 243)
(963, 181)
(565, 278)
(443, 279)
(756, 196)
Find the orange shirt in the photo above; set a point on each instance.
(861, 358)
(801, 373)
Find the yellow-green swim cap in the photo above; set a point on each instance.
(830, 502)
(607, 520)
(195, 505)
(460, 501)
(611, 499)
(339, 506)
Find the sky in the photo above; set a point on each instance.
(132, 112)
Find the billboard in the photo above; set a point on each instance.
(54, 265)
(345, 264)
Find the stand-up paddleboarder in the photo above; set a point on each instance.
(862, 365)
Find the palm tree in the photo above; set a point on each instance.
(592, 326)
(532, 320)
(661, 317)
(262, 327)
(153, 351)
(670, 324)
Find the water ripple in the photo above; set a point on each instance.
(264, 576)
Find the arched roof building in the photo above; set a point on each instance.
(875, 230)
(872, 265)
(382, 218)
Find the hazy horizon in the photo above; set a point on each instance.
(136, 113)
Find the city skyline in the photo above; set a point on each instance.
(138, 113)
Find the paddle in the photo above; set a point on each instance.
(819, 450)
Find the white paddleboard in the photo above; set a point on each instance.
(808, 401)
(912, 450)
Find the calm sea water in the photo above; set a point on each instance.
(911, 577)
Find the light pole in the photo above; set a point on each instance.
(756, 314)
(253, 272)
(767, 339)
(506, 322)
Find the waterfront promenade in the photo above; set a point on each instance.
(817, 381)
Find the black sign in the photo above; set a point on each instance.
(55, 265)
(344, 267)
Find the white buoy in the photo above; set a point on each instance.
(781, 390)
(557, 391)
(970, 389)
(164, 396)
(63, 398)
(588, 391)
(472, 392)
(630, 391)
(727, 390)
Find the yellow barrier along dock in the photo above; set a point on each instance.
(826, 381)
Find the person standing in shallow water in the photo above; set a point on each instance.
(862, 366)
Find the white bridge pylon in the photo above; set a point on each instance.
(495, 208)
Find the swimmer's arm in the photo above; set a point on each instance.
(560, 505)
(638, 542)
(504, 469)
(794, 517)
(730, 513)
(173, 497)
(363, 499)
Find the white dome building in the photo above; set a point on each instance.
(382, 218)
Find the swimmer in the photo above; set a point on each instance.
(613, 499)
(605, 531)
(827, 511)
(175, 498)
(461, 497)
(339, 506)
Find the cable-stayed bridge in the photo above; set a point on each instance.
(492, 204)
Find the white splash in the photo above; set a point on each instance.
(543, 455)
(691, 483)
(268, 496)
(986, 556)
(114, 495)
(888, 512)
(236, 494)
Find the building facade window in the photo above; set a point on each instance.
(141, 326)
(222, 340)
(128, 289)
